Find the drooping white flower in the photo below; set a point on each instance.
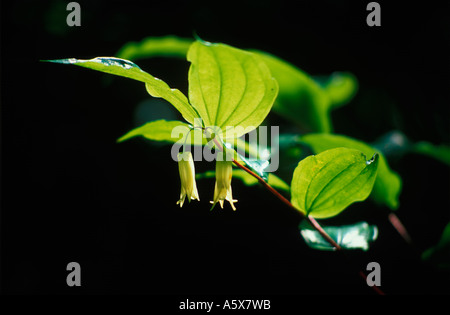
(187, 177)
(222, 188)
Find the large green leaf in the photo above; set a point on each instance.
(302, 99)
(388, 184)
(128, 69)
(323, 185)
(169, 131)
(229, 87)
(354, 236)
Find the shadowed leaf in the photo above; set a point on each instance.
(354, 236)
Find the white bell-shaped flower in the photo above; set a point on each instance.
(187, 176)
(222, 189)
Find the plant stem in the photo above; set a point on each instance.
(309, 218)
(399, 227)
(322, 232)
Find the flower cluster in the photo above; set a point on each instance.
(222, 189)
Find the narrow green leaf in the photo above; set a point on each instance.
(166, 46)
(278, 183)
(207, 174)
(249, 180)
(323, 185)
(128, 69)
(388, 184)
(169, 131)
(440, 153)
(354, 236)
(229, 87)
(272, 180)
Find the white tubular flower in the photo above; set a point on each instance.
(222, 189)
(187, 176)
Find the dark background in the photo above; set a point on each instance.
(71, 193)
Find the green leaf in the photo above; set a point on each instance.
(354, 236)
(388, 184)
(273, 180)
(440, 153)
(304, 101)
(300, 100)
(128, 69)
(323, 185)
(170, 131)
(166, 46)
(229, 87)
(340, 87)
(439, 254)
(249, 180)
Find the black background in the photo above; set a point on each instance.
(71, 193)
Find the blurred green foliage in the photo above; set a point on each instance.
(353, 236)
(439, 254)
(230, 86)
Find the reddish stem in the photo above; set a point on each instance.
(309, 218)
(398, 225)
(322, 232)
(375, 288)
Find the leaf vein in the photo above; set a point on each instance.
(329, 182)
